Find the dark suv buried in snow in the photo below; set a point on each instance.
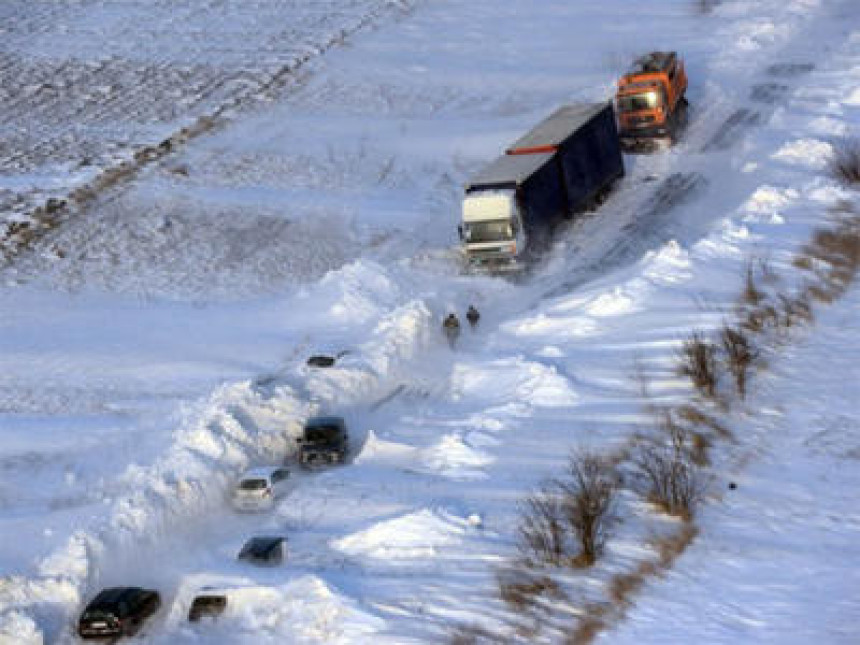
(118, 611)
(324, 441)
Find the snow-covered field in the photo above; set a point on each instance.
(152, 345)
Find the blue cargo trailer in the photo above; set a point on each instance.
(563, 166)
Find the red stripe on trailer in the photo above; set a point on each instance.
(532, 150)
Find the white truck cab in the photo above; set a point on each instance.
(492, 229)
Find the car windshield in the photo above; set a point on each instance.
(205, 602)
(322, 434)
(492, 231)
(252, 484)
(634, 102)
(97, 614)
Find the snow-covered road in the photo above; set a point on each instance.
(154, 346)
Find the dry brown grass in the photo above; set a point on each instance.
(669, 547)
(797, 310)
(821, 294)
(751, 294)
(695, 416)
(845, 162)
(760, 319)
(521, 589)
(624, 585)
(671, 480)
(699, 363)
(739, 354)
(699, 449)
(802, 262)
(839, 247)
(587, 630)
(833, 257)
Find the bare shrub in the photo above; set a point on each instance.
(588, 494)
(761, 318)
(739, 355)
(796, 310)
(699, 363)
(543, 537)
(673, 482)
(845, 162)
(751, 294)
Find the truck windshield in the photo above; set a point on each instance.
(322, 434)
(634, 102)
(492, 231)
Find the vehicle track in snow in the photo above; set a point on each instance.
(642, 218)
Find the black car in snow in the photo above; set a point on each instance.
(268, 550)
(207, 605)
(324, 441)
(118, 611)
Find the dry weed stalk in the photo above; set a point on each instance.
(588, 494)
(543, 531)
(673, 482)
(739, 355)
(699, 363)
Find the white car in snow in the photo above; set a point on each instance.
(259, 488)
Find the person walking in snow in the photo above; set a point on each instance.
(473, 316)
(451, 329)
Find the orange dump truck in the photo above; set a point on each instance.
(650, 101)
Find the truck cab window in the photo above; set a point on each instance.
(642, 101)
(489, 231)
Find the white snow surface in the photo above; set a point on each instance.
(153, 345)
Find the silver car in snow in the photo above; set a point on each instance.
(259, 488)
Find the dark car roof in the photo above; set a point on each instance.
(324, 421)
(261, 546)
(113, 595)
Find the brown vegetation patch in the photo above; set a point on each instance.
(740, 355)
(795, 310)
(751, 294)
(697, 417)
(671, 479)
(521, 590)
(671, 546)
(845, 162)
(698, 362)
(586, 630)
